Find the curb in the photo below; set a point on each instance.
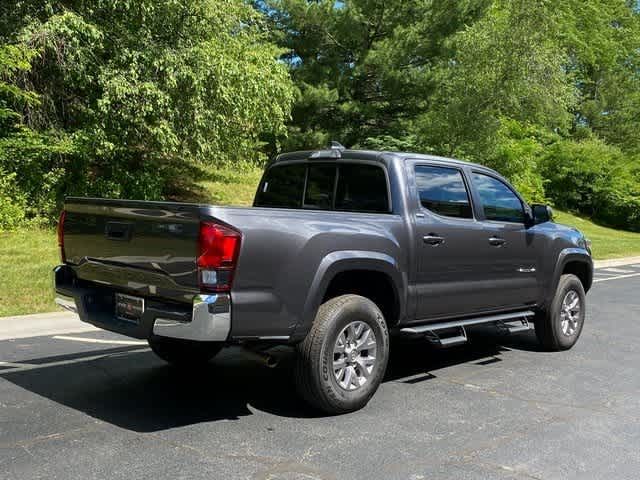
(52, 315)
(42, 324)
(616, 262)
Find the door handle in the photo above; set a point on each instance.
(433, 240)
(497, 241)
(527, 270)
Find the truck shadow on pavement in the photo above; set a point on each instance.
(134, 390)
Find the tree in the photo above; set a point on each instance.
(364, 68)
(500, 82)
(147, 90)
(29, 167)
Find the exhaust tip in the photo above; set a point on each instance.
(271, 362)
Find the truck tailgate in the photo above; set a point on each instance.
(148, 248)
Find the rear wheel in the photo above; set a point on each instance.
(183, 352)
(340, 364)
(560, 326)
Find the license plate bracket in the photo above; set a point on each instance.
(129, 308)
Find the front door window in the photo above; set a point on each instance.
(498, 201)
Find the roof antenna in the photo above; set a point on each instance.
(336, 146)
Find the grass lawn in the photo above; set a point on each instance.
(26, 260)
(28, 256)
(226, 187)
(605, 242)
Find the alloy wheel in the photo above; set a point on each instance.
(354, 355)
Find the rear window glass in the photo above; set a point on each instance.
(442, 190)
(282, 187)
(353, 187)
(321, 180)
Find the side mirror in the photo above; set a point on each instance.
(541, 213)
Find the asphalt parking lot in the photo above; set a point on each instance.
(96, 405)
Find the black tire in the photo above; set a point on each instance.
(548, 324)
(314, 373)
(184, 353)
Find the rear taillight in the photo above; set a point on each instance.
(217, 257)
(63, 215)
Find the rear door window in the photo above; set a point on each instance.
(361, 188)
(442, 190)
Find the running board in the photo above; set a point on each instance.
(451, 340)
(521, 325)
(504, 318)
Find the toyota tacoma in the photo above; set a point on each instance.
(341, 249)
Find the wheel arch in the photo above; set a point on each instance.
(576, 261)
(581, 270)
(338, 269)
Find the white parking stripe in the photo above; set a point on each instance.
(616, 278)
(11, 364)
(99, 340)
(19, 367)
(617, 270)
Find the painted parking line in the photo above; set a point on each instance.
(99, 340)
(11, 364)
(616, 270)
(598, 280)
(20, 367)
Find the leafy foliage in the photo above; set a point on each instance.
(597, 177)
(133, 98)
(122, 98)
(527, 87)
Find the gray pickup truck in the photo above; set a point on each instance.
(341, 249)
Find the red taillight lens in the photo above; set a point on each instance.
(218, 253)
(63, 215)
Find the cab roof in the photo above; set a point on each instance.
(369, 155)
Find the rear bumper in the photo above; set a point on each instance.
(210, 320)
(207, 319)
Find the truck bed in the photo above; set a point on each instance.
(150, 250)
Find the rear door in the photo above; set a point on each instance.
(511, 249)
(450, 268)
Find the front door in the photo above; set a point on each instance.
(510, 246)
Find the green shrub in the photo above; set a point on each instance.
(36, 163)
(516, 155)
(594, 179)
(12, 202)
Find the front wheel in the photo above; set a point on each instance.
(559, 327)
(342, 361)
(184, 353)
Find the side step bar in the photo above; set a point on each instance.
(512, 322)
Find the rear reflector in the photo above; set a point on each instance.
(63, 215)
(218, 253)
